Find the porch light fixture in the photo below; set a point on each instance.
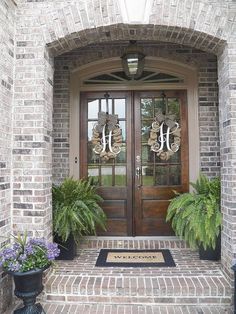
(133, 60)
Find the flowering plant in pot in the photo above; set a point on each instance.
(26, 259)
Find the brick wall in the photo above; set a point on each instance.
(227, 110)
(7, 21)
(32, 127)
(208, 98)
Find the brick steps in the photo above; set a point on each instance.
(132, 290)
(53, 308)
(72, 308)
(191, 282)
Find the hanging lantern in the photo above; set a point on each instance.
(133, 60)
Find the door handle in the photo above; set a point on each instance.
(138, 172)
(138, 175)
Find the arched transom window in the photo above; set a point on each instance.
(119, 77)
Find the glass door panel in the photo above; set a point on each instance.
(151, 161)
(107, 171)
(113, 177)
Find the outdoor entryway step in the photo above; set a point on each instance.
(132, 243)
(71, 308)
(142, 290)
(133, 309)
(191, 282)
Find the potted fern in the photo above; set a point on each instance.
(196, 217)
(76, 212)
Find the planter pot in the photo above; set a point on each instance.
(28, 285)
(67, 249)
(211, 254)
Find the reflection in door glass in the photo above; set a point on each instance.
(106, 176)
(159, 105)
(161, 175)
(121, 157)
(120, 107)
(92, 157)
(104, 105)
(147, 108)
(146, 126)
(93, 108)
(147, 155)
(147, 175)
(123, 128)
(175, 175)
(120, 175)
(173, 107)
(93, 172)
(90, 129)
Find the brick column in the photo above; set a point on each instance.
(32, 128)
(227, 122)
(7, 22)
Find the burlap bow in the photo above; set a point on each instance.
(168, 119)
(105, 118)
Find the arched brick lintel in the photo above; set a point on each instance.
(145, 32)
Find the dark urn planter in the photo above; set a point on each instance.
(28, 285)
(67, 249)
(210, 253)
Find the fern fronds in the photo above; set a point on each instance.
(196, 216)
(76, 209)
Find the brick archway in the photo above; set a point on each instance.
(72, 25)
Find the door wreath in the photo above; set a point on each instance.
(107, 136)
(159, 139)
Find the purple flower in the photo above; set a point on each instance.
(38, 241)
(52, 251)
(8, 253)
(29, 249)
(26, 255)
(14, 266)
(16, 246)
(22, 257)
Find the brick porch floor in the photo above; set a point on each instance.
(193, 286)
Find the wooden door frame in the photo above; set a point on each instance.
(132, 223)
(190, 84)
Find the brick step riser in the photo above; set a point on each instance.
(203, 300)
(92, 308)
(118, 292)
(131, 244)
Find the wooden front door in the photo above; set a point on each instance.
(136, 186)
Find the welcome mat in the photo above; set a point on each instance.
(135, 258)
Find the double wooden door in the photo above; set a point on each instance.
(137, 185)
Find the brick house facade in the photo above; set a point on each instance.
(43, 41)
